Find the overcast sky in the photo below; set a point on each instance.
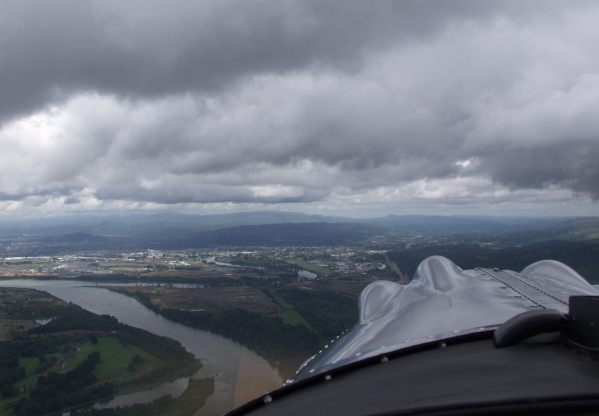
(347, 107)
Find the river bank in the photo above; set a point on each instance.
(239, 374)
(57, 356)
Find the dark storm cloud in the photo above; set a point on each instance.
(572, 166)
(44, 193)
(297, 101)
(51, 49)
(177, 193)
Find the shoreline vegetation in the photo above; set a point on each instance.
(285, 335)
(57, 356)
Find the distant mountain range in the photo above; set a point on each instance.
(125, 224)
(269, 228)
(438, 225)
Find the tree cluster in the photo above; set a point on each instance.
(54, 392)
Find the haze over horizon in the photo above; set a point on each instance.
(356, 109)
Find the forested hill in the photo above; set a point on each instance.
(175, 231)
(294, 234)
(307, 234)
(580, 255)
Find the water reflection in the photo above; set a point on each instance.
(305, 274)
(174, 389)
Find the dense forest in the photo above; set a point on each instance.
(341, 311)
(285, 339)
(281, 343)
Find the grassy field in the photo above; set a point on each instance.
(114, 361)
(287, 312)
(311, 267)
(247, 298)
(30, 364)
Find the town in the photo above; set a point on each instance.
(301, 264)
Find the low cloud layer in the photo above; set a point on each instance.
(312, 104)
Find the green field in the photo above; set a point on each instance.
(30, 364)
(115, 359)
(115, 367)
(311, 267)
(287, 312)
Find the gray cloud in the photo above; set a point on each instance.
(151, 48)
(573, 166)
(297, 102)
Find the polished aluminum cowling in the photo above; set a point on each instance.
(442, 301)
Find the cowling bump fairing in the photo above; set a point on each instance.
(442, 301)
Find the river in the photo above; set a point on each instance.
(239, 373)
